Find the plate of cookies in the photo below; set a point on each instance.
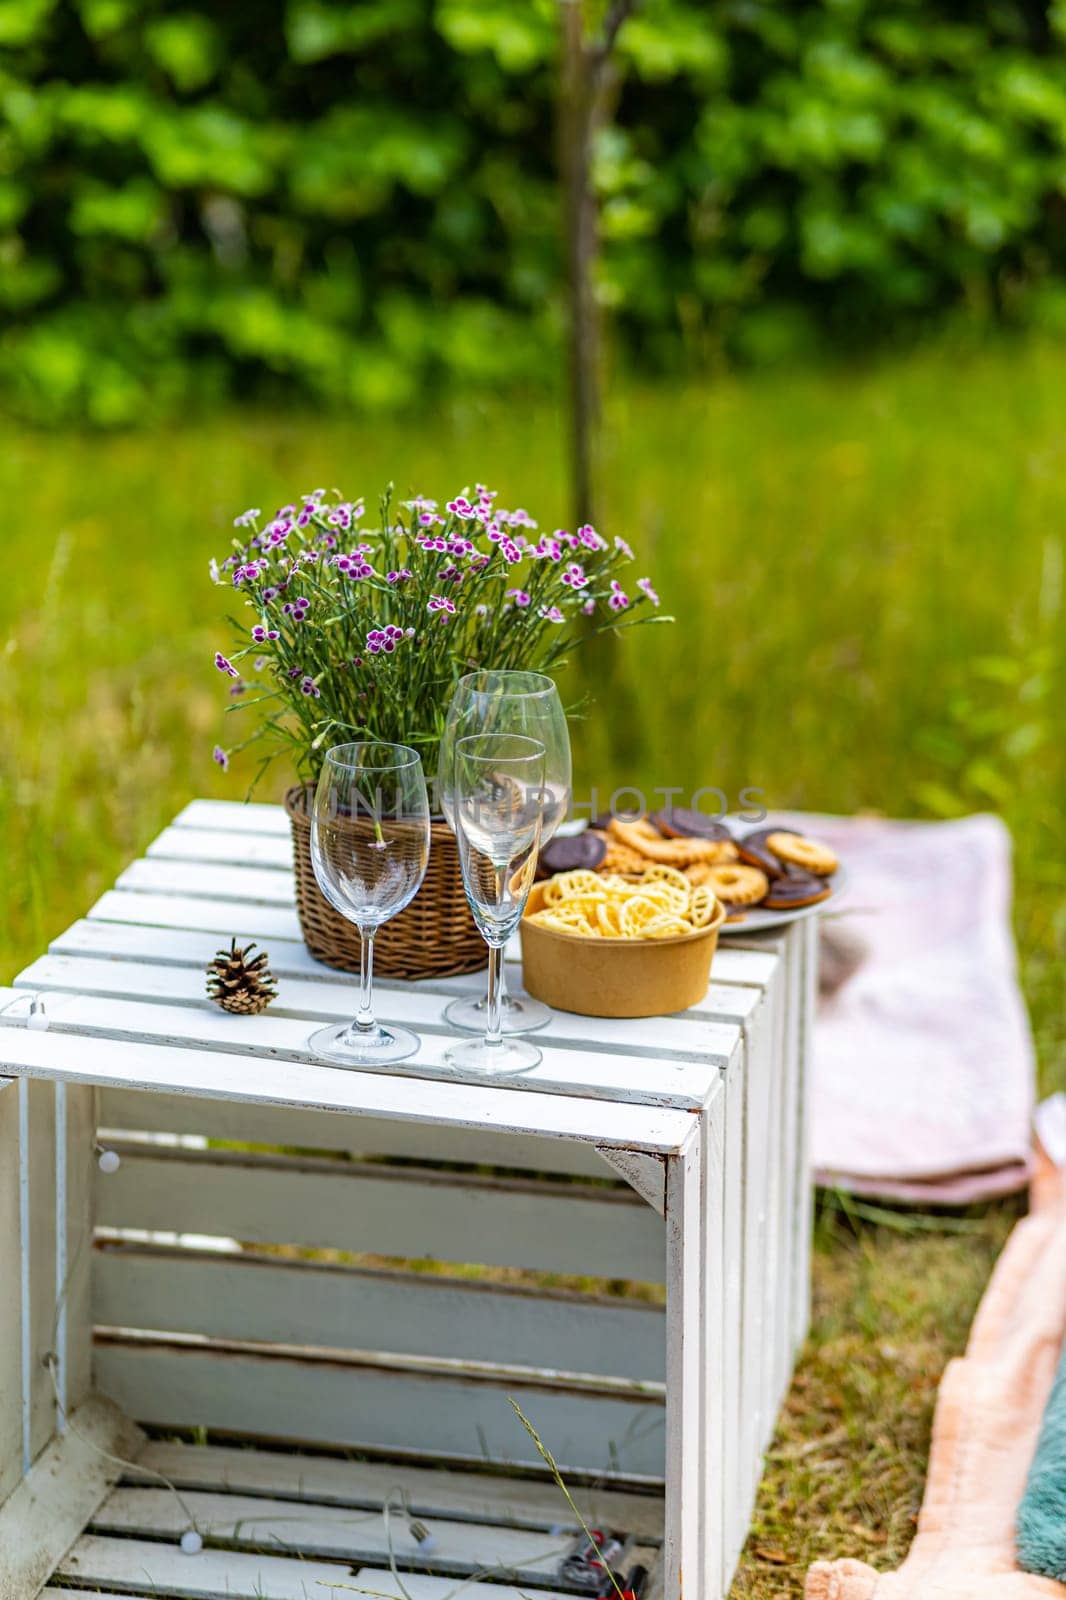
(765, 875)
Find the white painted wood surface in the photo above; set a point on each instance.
(565, 1069)
(57, 1497)
(397, 1407)
(182, 1290)
(724, 1193)
(709, 1030)
(143, 1568)
(804, 1189)
(250, 1522)
(37, 1201)
(645, 1174)
(11, 1362)
(691, 1515)
(702, 1116)
(736, 989)
(320, 1517)
(236, 1121)
(395, 1211)
(115, 1062)
(327, 1480)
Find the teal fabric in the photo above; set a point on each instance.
(1041, 1530)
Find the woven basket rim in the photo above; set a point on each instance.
(297, 803)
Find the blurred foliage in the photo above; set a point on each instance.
(355, 202)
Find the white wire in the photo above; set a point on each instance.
(398, 1491)
(118, 1461)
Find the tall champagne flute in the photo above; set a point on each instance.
(498, 804)
(518, 702)
(369, 850)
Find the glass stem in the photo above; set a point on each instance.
(505, 998)
(364, 1017)
(493, 1017)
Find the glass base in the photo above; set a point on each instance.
(345, 1045)
(517, 1016)
(506, 1059)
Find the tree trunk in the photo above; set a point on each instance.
(587, 86)
(579, 229)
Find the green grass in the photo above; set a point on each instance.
(867, 573)
(846, 1471)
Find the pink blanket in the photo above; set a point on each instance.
(923, 1062)
(988, 1418)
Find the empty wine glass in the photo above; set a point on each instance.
(497, 806)
(369, 849)
(525, 703)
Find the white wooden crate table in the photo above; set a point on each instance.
(307, 1296)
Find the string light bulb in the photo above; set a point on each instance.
(425, 1540)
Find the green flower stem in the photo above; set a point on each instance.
(319, 677)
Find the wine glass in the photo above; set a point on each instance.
(524, 703)
(497, 806)
(369, 849)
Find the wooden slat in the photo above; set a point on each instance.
(140, 1567)
(238, 1122)
(686, 1531)
(251, 1522)
(411, 1212)
(221, 1075)
(716, 1330)
(72, 1331)
(304, 1001)
(326, 1480)
(363, 1406)
(728, 1401)
(737, 964)
(752, 1420)
(789, 1196)
(224, 846)
(241, 816)
(804, 1209)
(246, 885)
(731, 1001)
(41, 1195)
(774, 1294)
(11, 1299)
(187, 913)
(638, 1080)
(302, 1302)
(55, 1500)
(190, 911)
(646, 1175)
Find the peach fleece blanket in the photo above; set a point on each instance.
(987, 1424)
(923, 1079)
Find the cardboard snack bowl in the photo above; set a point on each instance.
(615, 977)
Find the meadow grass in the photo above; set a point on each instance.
(866, 568)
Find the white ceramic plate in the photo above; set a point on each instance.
(756, 920)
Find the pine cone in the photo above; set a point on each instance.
(238, 984)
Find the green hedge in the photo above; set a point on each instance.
(357, 202)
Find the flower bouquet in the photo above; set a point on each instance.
(362, 633)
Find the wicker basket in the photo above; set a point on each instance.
(435, 937)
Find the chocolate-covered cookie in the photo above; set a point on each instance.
(794, 890)
(605, 818)
(752, 849)
(677, 823)
(573, 850)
